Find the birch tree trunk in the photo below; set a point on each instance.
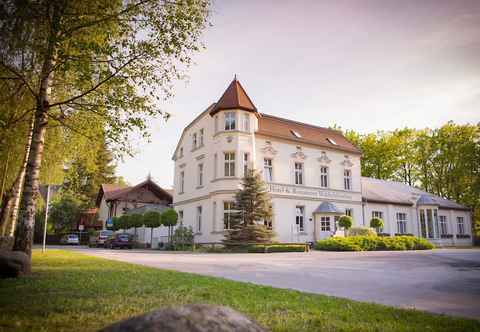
(11, 221)
(24, 235)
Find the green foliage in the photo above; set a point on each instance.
(376, 223)
(116, 222)
(373, 243)
(64, 213)
(244, 234)
(361, 231)
(182, 238)
(169, 217)
(135, 220)
(345, 222)
(123, 222)
(258, 248)
(152, 219)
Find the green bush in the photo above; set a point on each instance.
(259, 248)
(361, 231)
(373, 243)
(376, 223)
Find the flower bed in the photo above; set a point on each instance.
(373, 243)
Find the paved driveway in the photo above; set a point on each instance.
(441, 281)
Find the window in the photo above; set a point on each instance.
(180, 217)
(378, 214)
(324, 177)
(349, 212)
(194, 141)
(298, 173)
(227, 215)
(295, 133)
(199, 219)
(182, 181)
(201, 136)
(423, 225)
(347, 179)
(401, 223)
(200, 175)
(443, 225)
(216, 123)
(300, 218)
(460, 226)
(229, 163)
(215, 167)
(268, 223)
(181, 152)
(246, 122)
(331, 141)
(325, 224)
(230, 121)
(245, 164)
(267, 170)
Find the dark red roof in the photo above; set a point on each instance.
(272, 126)
(234, 97)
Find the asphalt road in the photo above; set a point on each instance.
(441, 281)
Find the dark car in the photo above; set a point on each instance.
(99, 238)
(122, 240)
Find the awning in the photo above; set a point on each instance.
(328, 208)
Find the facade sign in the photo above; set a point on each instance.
(285, 189)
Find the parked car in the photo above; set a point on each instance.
(122, 240)
(99, 238)
(70, 239)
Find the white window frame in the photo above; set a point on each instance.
(443, 225)
(200, 174)
(325, 225)
(182, 182)
(299, 177)
(460, 226)
(401, 223)
(194, 141)
(202, 137)
(229, 164)
(180, 217)
(228, 208)
(199, 219)
(268, 169)
(378, 214)
(230, 121)
(246, 122)
(349, 212)
(300, 218)
(324, 176)
(347, 179)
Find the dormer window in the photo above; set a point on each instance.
(295, 133)
(230, 121)
(201, 136)
(331, 141)
(194, 141)
(181, 152)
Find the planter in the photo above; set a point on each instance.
(446, 236)
(463, 236)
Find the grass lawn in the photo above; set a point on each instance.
(74, 292)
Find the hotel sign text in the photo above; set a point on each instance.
(306, 191)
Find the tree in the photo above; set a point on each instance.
(123, 222)
(98, 61)
(135, 220)
(252, 205)
(64, 213)
(152, 219)
(345, 222)
(116, 223)
(376, 223)
(169, 219)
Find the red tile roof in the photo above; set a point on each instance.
(234, 97)
(272, 126)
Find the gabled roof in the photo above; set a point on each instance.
(269, 125)
(393, 192)
(113, 192)
(234, 97)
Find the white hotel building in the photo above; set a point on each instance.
(312, 174)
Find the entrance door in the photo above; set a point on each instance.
(324, 226)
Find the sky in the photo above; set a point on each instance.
(365, 65)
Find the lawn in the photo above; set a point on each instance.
(74, 292)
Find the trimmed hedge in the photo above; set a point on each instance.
(259, 248)
(361, 231)
(373, 243)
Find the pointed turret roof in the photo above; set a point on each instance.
(234, 97)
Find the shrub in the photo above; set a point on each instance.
(361, 231)
(258, 248)
(376, 223)
(248, 234)
(372, 243)
(182, 238)
(345, 221)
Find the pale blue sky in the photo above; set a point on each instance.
(362, 64)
